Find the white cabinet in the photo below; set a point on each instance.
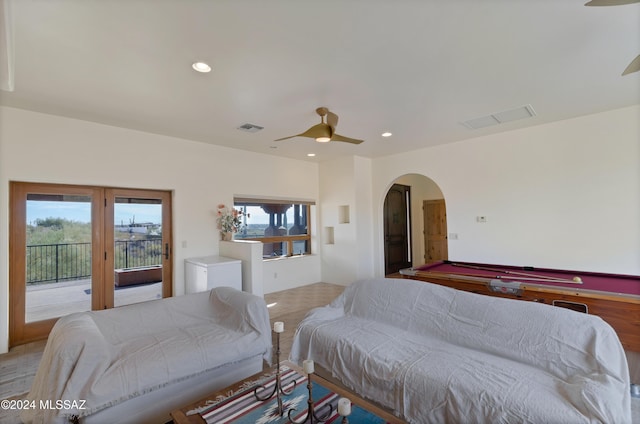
(207, 272)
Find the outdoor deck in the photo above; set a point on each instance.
(51, 300)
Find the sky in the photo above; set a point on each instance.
(81, 212)
(124, 212)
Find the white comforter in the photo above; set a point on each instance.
(434, 355)
(106, 357)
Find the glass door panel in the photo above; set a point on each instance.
(56, 261)
(57, 256)
(140, 245)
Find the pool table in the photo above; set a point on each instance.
(613, 297)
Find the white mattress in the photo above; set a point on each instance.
(434, 354)
(108, 357)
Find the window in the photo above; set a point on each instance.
(282, 226)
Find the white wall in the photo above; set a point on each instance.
(362, 217)
(250, 253)
(346, 182)
(337, 189)
(560, 195)
(51, 149)
(282, 274)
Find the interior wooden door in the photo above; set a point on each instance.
(397, 229)
(435, 229)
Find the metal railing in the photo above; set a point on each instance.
(58, 262)
(72, 261)
(137, 253)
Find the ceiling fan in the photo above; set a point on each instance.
(634, 66)
(325, 131)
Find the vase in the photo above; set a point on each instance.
(227, 236)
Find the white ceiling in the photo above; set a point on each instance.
(415, 68)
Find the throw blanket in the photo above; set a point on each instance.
(435, 354)
(106, 357)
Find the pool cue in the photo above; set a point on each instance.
(483, 278)
(516, 273)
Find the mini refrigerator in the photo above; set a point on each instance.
(207, 272)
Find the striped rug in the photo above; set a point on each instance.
(245, 408)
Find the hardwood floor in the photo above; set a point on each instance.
(290, 307)
(19, 366)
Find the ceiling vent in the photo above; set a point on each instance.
(250, 128)
(500, 117)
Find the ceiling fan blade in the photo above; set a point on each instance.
(324, 132)
(332, 120)
(338, 137)
(286, 138)
(634, 66)
(319, 130)
(610, 2)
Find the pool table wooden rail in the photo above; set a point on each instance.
(620, 311)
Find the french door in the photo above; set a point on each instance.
(80, 248)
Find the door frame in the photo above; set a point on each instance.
(110, 195)
(408, 239)
(102, 280)
(19, 330)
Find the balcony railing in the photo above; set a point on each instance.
(72, 261)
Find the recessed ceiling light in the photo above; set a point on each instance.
(311, 154)
(201, 67)
(386, 134)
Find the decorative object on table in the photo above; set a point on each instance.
(229, 221)
(278, 389)
(238, 404)
(311, 416)
(344, 409)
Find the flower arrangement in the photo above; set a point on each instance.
(229, 220)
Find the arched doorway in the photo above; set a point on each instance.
(426, 224)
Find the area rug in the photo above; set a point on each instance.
(244, 408)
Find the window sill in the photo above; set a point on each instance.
(278, 258)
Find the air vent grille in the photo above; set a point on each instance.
(250, 128)
(500, 117)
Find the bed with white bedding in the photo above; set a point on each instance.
(433, 354)
(136, 363)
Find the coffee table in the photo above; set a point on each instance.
(242, 391)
